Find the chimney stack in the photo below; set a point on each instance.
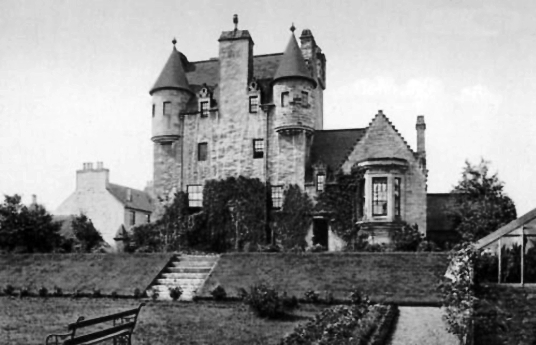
(34, 199)
(421, 127)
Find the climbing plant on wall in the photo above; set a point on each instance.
(339, 201)
(291, 223)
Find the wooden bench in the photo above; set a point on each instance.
(120, 330)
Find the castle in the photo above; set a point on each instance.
(261, 116)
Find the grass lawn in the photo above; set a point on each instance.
(28, 321)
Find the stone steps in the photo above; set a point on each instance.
(189, 272)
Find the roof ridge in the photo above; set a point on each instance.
(121, 186)
(341, 129)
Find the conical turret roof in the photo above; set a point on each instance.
(173, 75)
(292, 63)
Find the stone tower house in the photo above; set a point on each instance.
(261, 116)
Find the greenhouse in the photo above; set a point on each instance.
(509, 254)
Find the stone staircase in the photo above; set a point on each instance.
(187, 271)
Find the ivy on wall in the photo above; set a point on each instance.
(339, 202)
(291, 223)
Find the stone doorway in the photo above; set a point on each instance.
(320, 232)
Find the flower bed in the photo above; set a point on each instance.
(362, 324)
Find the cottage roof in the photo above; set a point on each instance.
(332, 146)
(292, 64)
(139, 200)
(173, 75)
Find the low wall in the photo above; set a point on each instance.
(402, 278)
(121, 273)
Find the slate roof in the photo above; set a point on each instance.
(140, 200)
(292, 64)
(173, 75)
(333, 146)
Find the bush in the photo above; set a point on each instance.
(154, 294)
(359, 298)
(328, 297)
(317, 248)
(77, 293)
(114, 294)
(264, 300)
(96, 293)
(43, 291)
(242, 293)
(218, 293)
(9, 290)
(58, 292)
(175, 292)
(311, 296)
(138, 293)
(24, 292)
(289, 303)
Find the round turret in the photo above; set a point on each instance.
(170, 93)
(293, 92)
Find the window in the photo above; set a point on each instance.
(132, 217)
(284, 99)
(253, 104)
(202, 151)
(397, 196)
(167, 108)
(277, 196)
(154, 109)
(379, 196)
(258, 148)
(320, 182)
(361, 198)
(195, 195)
(204, 108)
(148, 218)
(305, 98)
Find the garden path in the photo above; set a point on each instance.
(421, 326)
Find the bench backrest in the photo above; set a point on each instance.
(85, 323)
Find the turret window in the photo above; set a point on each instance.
(202, 151)
(167, 108)
(379, 196)
(204, 108)
(284, 98)
(258, 148)
(253, 104)
(305, 98)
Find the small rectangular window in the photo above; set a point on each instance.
(205, 108)
(397, 196)
(258, 148)
(202, 151)
(132, 217)
(320, 182)
(167, 108)
(253, 104)
(154, 109)
(277, 196)
(148, 218)
(284, 99)
(379, 196)
(195, 195)
(305, 98)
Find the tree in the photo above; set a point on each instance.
(86, 233)
(27, 229)
(480, 204)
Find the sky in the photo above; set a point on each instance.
(75, 78)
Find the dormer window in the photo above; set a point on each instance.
(167, 108)
(305, 98)
(204, 108)
(253, 104)
(284, 98)
(320, 182)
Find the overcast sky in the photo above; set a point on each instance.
(75, 76)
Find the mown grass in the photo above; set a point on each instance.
(28, 321)
(402, 278)
(121, 273)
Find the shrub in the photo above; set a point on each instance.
(317, 248)
(428, 246)
(328, 297)
(96, 293)
(218, 293)
(175, 292)
(138, 293)
(154, 294)
(264, 300)
(43, 292)
(359, 298)
(77, 293)
(289, 303)
(24, 292)
(311, 296)
(114, 294)
(58, 292)
(242, 293)
(9, 289)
